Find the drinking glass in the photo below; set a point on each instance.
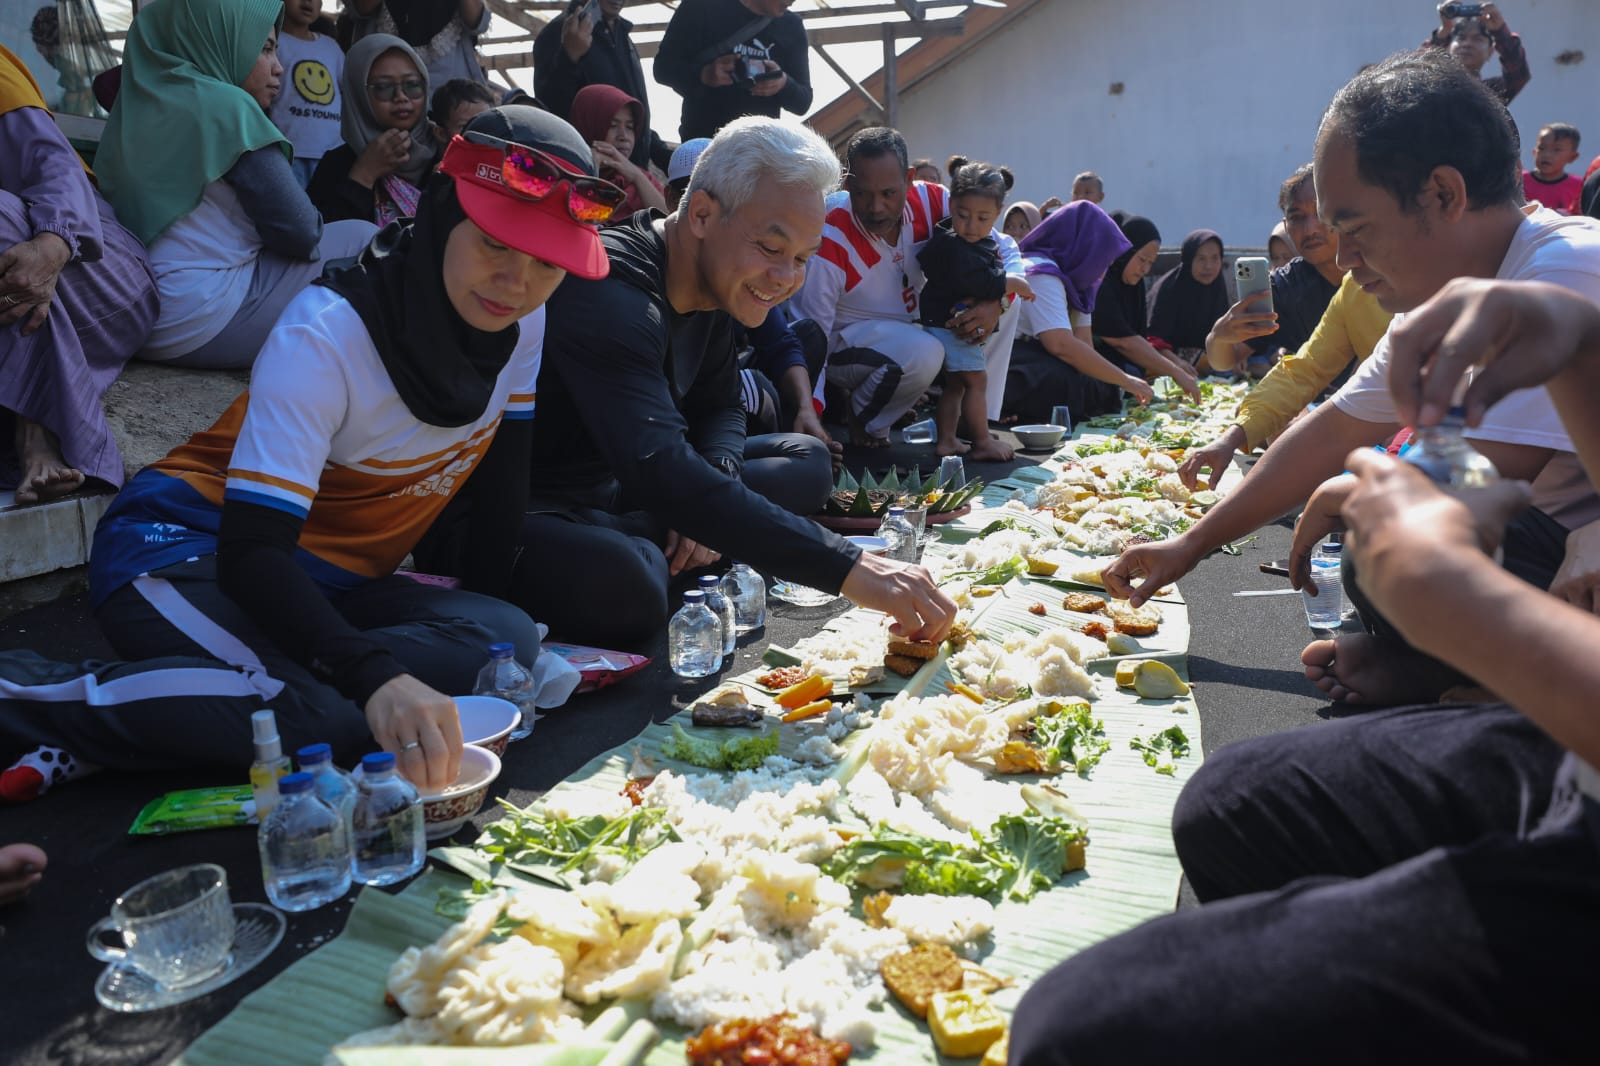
(176, 927)
(952, 473)
(1061, 415)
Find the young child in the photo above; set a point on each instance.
(1088, 186)
(962, 265)
(456, 103)
(1548, 182)
(307, 108)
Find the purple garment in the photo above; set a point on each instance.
(105, 301)
(1076, 244)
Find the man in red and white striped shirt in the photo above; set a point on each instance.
(861, 287)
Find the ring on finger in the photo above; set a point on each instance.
(10, 299)
(411, 745)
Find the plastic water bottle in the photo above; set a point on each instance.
(722, 607)
(896, 529)
(337, 788)
(748, 591)
(305, 848)
(386, 824)
(509, 680)
(1325, 610)
(694, 638)
(1444, 454)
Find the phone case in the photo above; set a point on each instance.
(1253, 274)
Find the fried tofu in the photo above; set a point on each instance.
(1084, 602)
(913, 649)
(914, 976)
(904, 665)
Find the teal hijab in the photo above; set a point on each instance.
(181, 119)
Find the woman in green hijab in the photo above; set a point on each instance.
(196, 169)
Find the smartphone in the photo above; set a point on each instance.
(589, 10)
(1253, 274)
(1279, 568)
(1457, 10)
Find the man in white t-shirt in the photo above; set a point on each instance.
(1415, 883)
(861, 290)
(1460, 217)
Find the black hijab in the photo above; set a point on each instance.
(1120, 308)
(443, 368)
(419, 21)
(1182, 310)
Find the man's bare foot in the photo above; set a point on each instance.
(21, 867)
(45, 474)
(990, 449)
(952, 446)
(1361, 668)
(858, 432)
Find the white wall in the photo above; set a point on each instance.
(1220, 101)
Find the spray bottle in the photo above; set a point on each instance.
(271, 763)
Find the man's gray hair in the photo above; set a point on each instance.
(752, 150)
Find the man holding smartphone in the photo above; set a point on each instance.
(729, 58)
(1471, 31)
(592, 44)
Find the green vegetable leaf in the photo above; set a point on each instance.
(528, 839)
(1161, 749)
(1070, 736)
(738, 753)
(1037, 847)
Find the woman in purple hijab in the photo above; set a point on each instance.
(1053, 360)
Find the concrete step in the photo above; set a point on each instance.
(151, 410)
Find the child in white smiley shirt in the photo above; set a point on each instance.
(307, 108)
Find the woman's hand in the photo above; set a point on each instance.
(1138, 388)
(421, 727)
(385, 154)
(607, 155)
(28, 273)
(920, 608)
(1578, 580)
(1185, 376)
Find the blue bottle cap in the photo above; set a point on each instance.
(314, 755)
(289, 784)
(378, 762)
(694, 596)
(710, 581)
(896, 511)
(502, 650)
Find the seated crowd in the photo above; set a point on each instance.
(492, 338)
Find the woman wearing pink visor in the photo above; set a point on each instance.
(263, 551)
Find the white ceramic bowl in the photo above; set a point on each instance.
(487, 721)
(870, 545)
(449, 810)
(1039, 437)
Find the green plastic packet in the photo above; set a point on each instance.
(196, 808)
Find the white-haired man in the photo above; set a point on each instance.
(641, 470)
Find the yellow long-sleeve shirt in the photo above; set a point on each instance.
(1349, 329)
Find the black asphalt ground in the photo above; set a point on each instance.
(1243, 658)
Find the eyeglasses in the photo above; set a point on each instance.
(534, 175)
(384, 91)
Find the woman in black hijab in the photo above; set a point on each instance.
(270, 541)
(1189, 298)
(1121, 319)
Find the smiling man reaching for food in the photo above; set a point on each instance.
(641, 467)
(1416, 174)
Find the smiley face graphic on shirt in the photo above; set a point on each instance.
(313, 82)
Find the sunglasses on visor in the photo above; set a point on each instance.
(533, 175)
(384, 91)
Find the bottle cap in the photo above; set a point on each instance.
(502, 650)
(289, 784)
(264, 727)
(896, 511)
(378, 762)
(710, 581)
(694, 596)
(314, 755)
